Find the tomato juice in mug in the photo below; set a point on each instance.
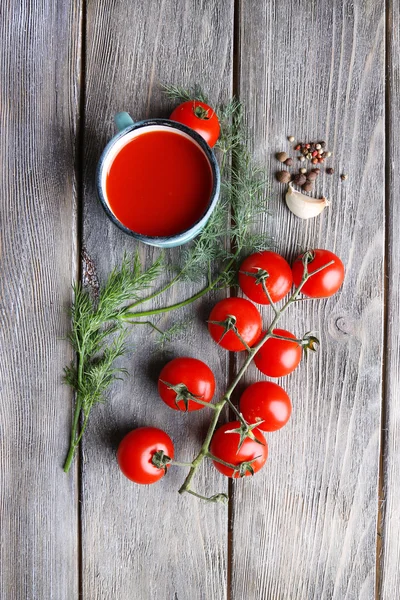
(158, 181)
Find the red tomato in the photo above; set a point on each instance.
(242, 315)
(268, 267)
(277, 358)
(322, 284)
(268, 402)
(226, 447)
(200, 117)
(189, 377)
(136, 451)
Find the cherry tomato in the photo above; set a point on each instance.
(136, 451)
(268, 402)
(200, 117)
(183, 378)
(277, 358)
(267, 267)
(322, 284)
(226, 447)
(238, 314)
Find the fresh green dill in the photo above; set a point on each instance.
(98, 338)
(180, 94)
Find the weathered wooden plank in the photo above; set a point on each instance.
(39, 75)
(306, 527)
(390, 556)
(139, 541)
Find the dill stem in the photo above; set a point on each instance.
(158, 292)
(127, 315)
(75, 438)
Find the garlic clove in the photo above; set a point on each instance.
(303, 206)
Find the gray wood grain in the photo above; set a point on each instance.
(139, 541)
(390, 555)
(305, 528)
(39, 97)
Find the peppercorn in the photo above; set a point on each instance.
(283, 176)
(315, 161)
(343, 177)
(282, 156)
(302, 158)
(291, 138)
(299, 179)
(318, 146)
(312, 176)
(314, 153)
(309, 156)
(297, 147)
(289, 162)
(307, 187)
(303, 170)
(330, 171)
(328, 154)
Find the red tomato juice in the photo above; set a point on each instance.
(159, 183)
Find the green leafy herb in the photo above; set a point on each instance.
(98, 336)
(180, 94)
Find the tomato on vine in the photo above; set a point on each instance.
(246, 456)
(265, 273)
(200, 117)
(235, 322)
(268, 403)
(186, 383)
(145, 454)
(278, 357)
(327, 281)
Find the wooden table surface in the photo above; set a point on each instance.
(322, 521)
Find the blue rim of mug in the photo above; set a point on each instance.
(182, 236)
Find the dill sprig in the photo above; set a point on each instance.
(98, 338)
(180, 94)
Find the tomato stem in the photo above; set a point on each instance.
(205, 448)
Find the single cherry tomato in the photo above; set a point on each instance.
(267, 402)
(225, 446)
(136, 452)
(322, 284)
(265, 268)
(183, 380)
(277, 358)
(200, 117)
(234, 314)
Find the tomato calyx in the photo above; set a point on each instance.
(201, 112)
(183, 394)
(161, 460)
(229, 324)
(260, 275)
(246, 467)
(246, 431)
(240, 469)
(221, 498)
(309, 342)
(308, 257)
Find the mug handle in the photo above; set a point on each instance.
(123, 120)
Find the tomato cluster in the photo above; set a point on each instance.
(238, 448)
